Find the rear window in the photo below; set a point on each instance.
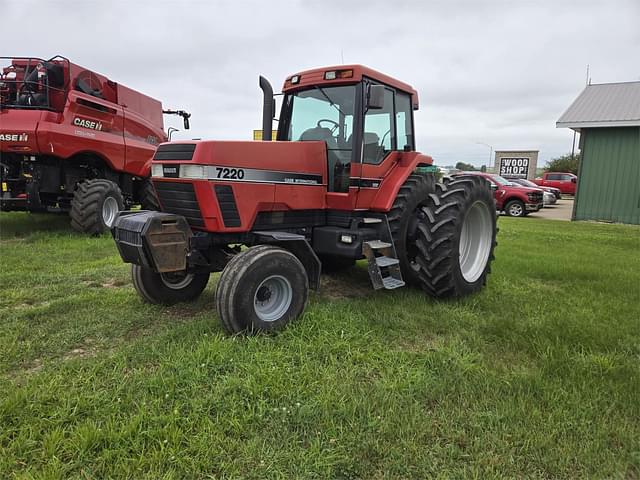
(554, 176)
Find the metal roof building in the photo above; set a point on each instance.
(608, 119)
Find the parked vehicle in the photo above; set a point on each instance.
(565, 182)
(515, 201)
(74, 141)
(528, 183)
(343, 182)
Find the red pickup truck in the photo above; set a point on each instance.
(514, 200)
(566, 182)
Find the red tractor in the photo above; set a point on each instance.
(73, 140)
(342, 182)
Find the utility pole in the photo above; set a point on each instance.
(490, 153)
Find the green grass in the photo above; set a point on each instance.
(538, 376)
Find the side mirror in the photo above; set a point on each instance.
(375, 98)
(186, 123)
(574, 180)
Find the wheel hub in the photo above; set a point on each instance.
(109, 211)
(176, 280)
(475, 241)
(273, 298)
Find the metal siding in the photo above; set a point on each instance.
(609, 178)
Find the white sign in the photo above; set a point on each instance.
(514, 167)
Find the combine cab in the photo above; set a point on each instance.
(342, 182)
(73, 140)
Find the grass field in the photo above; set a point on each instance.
(536, 377)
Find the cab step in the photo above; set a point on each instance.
(383, 265)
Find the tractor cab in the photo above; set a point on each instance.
(33, 83)
(362, 115)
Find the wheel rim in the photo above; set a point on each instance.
(515, 210)
(475, 241)
(272, 298)
(109, 211)
(176, 280)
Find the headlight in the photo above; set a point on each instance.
(156, 170)
(192, 171)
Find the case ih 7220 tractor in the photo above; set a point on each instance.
(73, 140)
(342, 182)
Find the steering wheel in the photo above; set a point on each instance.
(335, 124)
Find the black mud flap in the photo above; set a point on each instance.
(156, 240)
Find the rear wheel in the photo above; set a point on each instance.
(167, 288)
(404, 217)
(456, 238)
(515, 208)
(95, 205)
(261, 289)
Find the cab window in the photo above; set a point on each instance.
(404, 128)
(379, 135)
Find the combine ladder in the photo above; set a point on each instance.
(383, 263)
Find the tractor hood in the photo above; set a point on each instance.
(243, 161)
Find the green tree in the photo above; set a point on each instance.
(467, 167)
(564, 163)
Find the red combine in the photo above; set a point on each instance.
(342, 182)
(73, 140)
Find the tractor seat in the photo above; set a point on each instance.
(323, 134)
(371, 149)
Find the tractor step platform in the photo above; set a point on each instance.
(383, 264)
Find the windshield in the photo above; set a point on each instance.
(500, 180)
(527, 183)
(322, 114)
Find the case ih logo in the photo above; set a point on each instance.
(14, 137)
(83, 122)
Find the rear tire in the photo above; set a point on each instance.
(456, 238)
(403, 221)
(148, 198)
(95, 205)
(261, 289)
(167, 288)
(515, 208)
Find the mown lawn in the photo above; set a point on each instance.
(536, 377)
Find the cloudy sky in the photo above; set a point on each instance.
(495, 72)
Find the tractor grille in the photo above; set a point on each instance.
(228, 207)
(175, 151)
(180, 199)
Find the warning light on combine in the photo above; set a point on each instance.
(333, 74)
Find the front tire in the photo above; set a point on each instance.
(261, 289)
(148, 197)
(515, 208)
(456, 238)
(95, 205)
(167, 288)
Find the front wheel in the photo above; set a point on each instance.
(455, 238)
(261, 289)
(515, 208)
(95, 206)
(167, 288)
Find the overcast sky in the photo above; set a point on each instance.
(496, 72)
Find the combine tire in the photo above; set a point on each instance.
(403, 222)
(456, 237)
(148, 198)
(167, 288)
(515, 208)
(261, 289)
(95, 205)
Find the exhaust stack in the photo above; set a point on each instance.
(267, 109)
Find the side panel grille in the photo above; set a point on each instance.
(175, 151)
(180, 199)
(228, 207)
